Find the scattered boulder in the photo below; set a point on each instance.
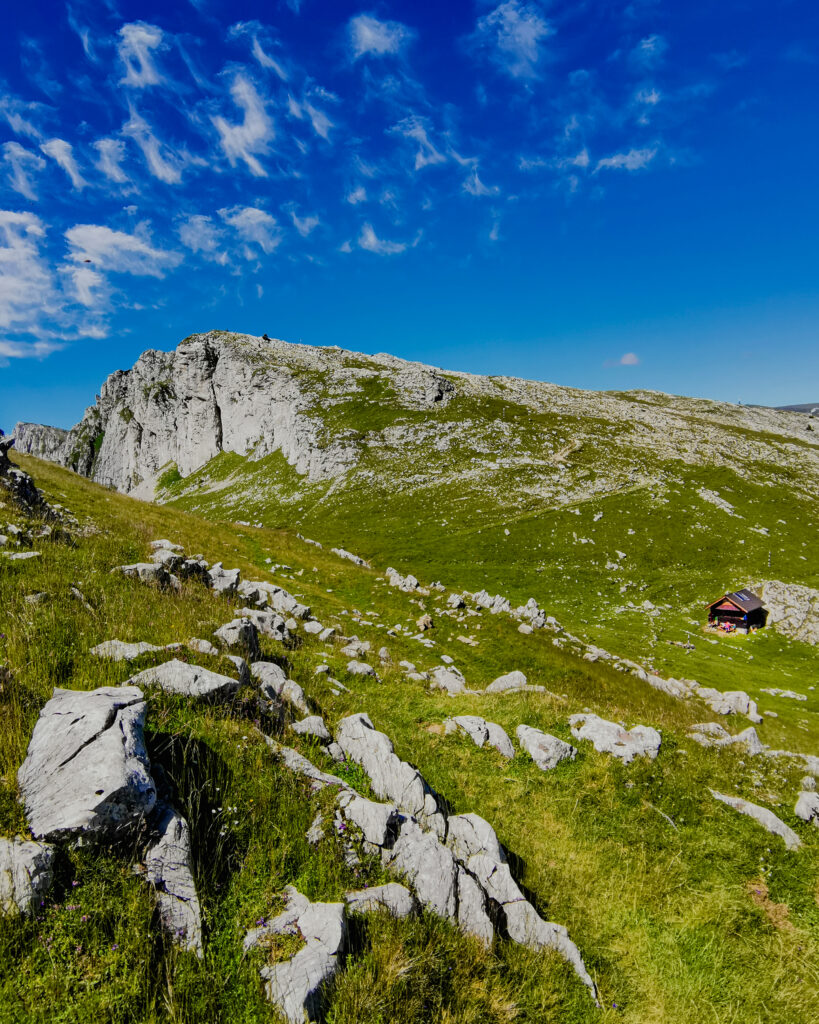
(360, 668)
(611, 738)
(167, 545)
(807, 806)
(118, 650)
(512, 681)
(268, 623)
(26, 873)
(767, 819)
(545, 750)
(406, 583)
(481, 733)
(148, 572)
(731, 702)
(349, 556)
(447, 678)
(223, 581)
(168, 869)
(202, 646)
(240, 633)
(392, 898)
(313, 726)
(456, 602)
(276, 687)
(712, 734)
(425, 622)
(187, 680)
(87, 770)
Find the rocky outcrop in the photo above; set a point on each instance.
(767, 819)
(168, 869)
(19, 486)
(793, 610)
(545, 750)
(611, 738)
(186, 680)
(481, 732)
(26, 872)
(86, 771)
(217, 392)
(39, 440)
(295, 986)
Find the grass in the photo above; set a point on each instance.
(664, 914)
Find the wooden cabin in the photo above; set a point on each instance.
(741, 609)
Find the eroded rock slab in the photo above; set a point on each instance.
(26, 873)
(392, 898)
(392, 778)
(546, 751)
(611, 738)
(87, 770)
(168, 869)
(187, 680)
(767, 819)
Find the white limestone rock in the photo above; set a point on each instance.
(392, 778)
(148, 572)
(392, 898)
(313, 726)
(447, 678)
(793, 609)
(26, 874)
(473, 918)
(469, 835)
(807, 806)
(546, 751)
(712, 734)
(223, 581)
(275, 686)
(267, 622)
(611, 738)
(118, 650)
(187, 680)
(241, 633)
(360, 668)
(166, 545)
(428, 866)
(169, 870)
(512, 682)
(378, 822)
(767, 819)
(86, 770)
(482, 733)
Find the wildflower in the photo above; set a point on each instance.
(115, 946)
(74, 884)
(84, 917)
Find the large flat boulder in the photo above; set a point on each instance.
(87, 770)
(766, 818)
(546, 751)
(187, 680)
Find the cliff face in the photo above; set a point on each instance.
(37, 439)
(218, 392)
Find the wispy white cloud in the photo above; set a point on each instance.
(62, 154)
(111, 154)
(372, 243)
(320, 121)
(512, 35)
(138, 42)
(417, 129)
(648, 96)
(201, 235)
(22, 164)
(118, 252)
(356, 195)
(649, 52)
(254, 30)
(253, 225)
(26, 284)
(19, 116)
(243, 141)
(27, 350)
(369, 36)
(634, 160)
(475, 187)
(304, 225)
(164, 166)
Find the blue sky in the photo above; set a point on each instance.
(603, 194)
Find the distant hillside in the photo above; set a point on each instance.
(808, 407)
(621, 513)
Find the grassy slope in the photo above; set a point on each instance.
(663, 915)
(435, 514)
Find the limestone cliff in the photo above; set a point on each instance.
(216, 392)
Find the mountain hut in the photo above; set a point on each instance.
(741, 609)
